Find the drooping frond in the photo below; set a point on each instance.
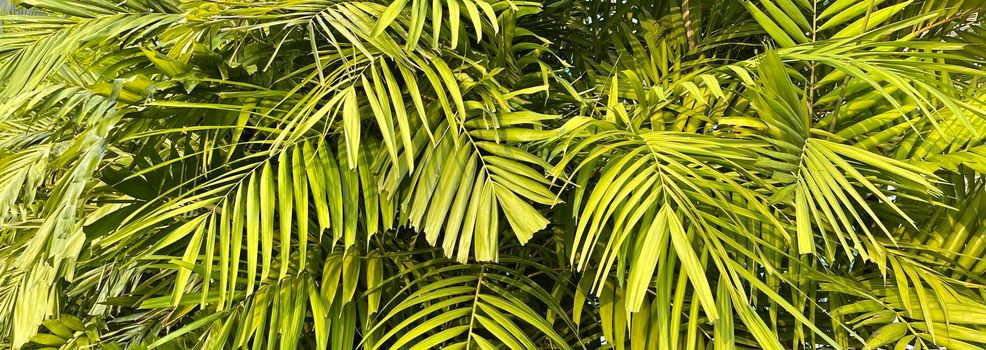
(460, 174)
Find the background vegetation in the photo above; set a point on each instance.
(487, 174)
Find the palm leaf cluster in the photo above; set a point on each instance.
(493, 174)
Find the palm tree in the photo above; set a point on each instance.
(477, 174)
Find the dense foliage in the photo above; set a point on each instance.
(487, 174)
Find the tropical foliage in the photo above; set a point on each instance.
(488, 174)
